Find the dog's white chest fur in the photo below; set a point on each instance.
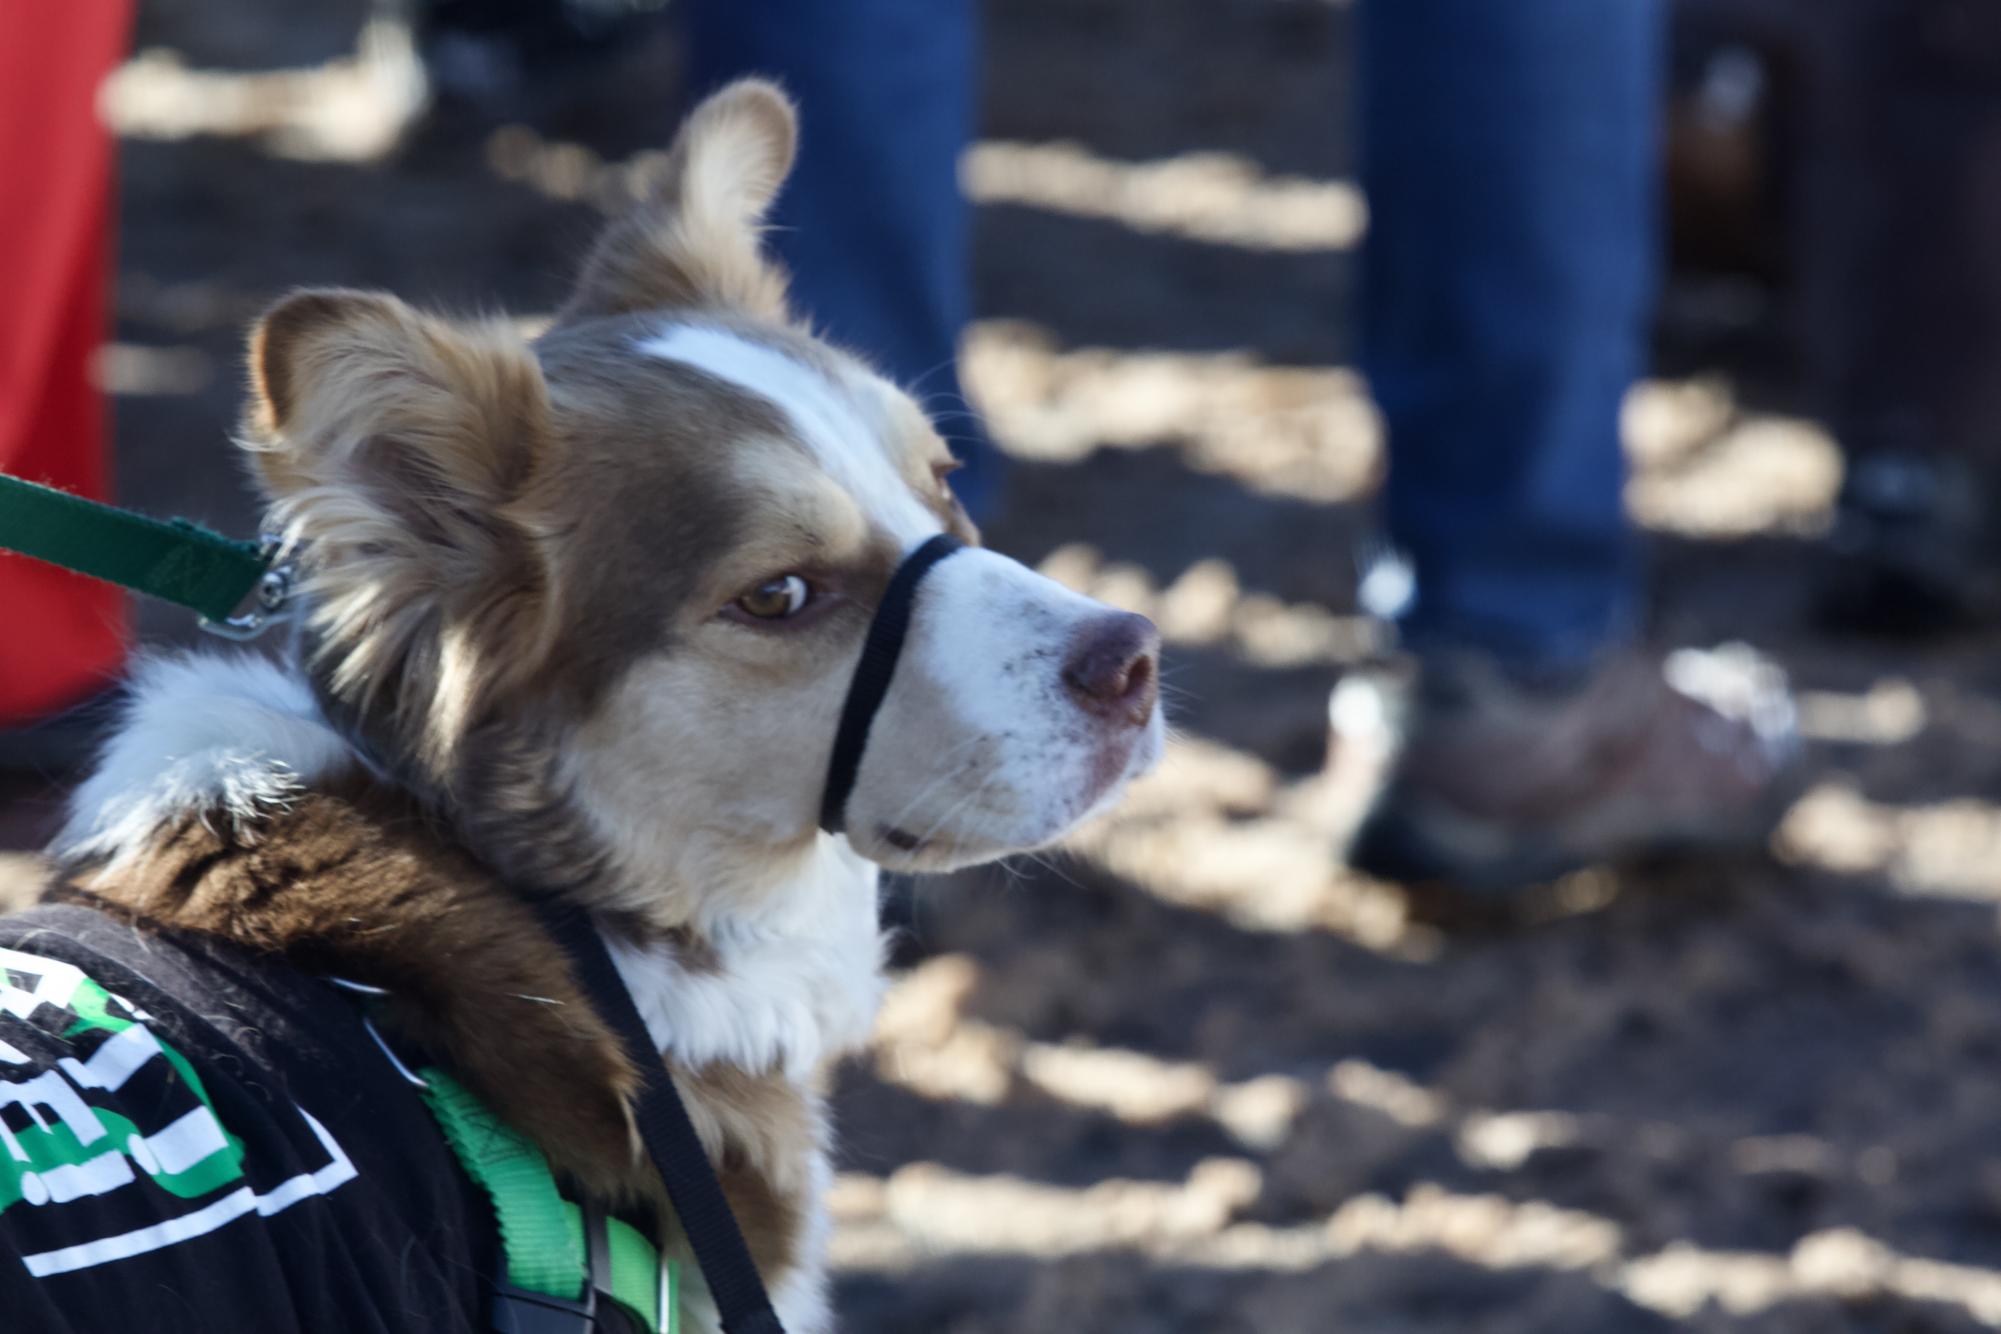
(784, 986)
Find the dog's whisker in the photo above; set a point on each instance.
(952, 813)
(924, 793)
(1047, 862)
(933, 370)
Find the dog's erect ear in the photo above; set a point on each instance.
(358, 388)
(398, 448)
(694, 239)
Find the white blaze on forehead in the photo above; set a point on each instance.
(823, 414)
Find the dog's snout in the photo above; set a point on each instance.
(1113, 669)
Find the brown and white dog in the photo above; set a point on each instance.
(581, 614)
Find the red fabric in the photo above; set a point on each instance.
(60, 635)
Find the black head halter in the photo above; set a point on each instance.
(872, 676)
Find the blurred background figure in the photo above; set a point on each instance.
(1509, 154)
(1843, 159)
(64, 636)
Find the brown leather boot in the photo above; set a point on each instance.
(1498, 783)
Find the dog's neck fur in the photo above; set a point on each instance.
(785, 987)
(784, 984)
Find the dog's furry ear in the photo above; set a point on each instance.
(398, 449)
(694, 239)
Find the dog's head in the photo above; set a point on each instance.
(606, 591)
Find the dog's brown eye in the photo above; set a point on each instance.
(776, 599)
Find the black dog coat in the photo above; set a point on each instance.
(193, 1139)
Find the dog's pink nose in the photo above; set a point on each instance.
(1114, 668)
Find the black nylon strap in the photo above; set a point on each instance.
(669, 1136)
(872, 675)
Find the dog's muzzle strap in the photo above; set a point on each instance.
(870, 685)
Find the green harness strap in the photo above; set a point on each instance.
(175, 560)
(545, 1237)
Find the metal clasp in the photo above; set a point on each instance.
(266, 605)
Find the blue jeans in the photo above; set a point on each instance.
(872, 224)
(1508, 155)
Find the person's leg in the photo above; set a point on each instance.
(1509, 159)
(872, 224)
(1508, 155)
(65, 635)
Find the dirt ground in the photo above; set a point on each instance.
(1192, 1076)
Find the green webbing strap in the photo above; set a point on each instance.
(175, 560)
(542, 1234)
(640, 1281)
(544, 1243)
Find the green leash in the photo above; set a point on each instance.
(560, 1259)
(234, 586)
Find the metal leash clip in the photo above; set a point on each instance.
(266, 605)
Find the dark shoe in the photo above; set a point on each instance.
(1495, 785)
